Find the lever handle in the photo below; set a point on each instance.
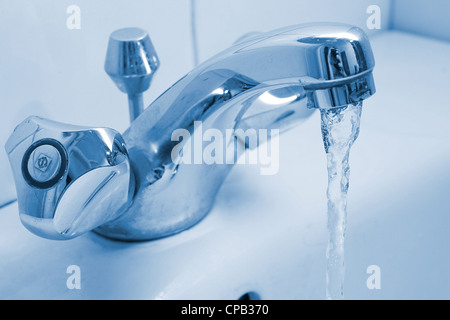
(69, 179)
(131, 62)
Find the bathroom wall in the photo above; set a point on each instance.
(49, 70)
(427, 18)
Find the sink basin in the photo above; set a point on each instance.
(267, 234)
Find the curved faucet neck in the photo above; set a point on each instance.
(271, 81)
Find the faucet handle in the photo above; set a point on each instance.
(69, 179)
(131, 62)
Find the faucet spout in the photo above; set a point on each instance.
(271, 81)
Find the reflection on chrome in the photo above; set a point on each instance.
(129, 187)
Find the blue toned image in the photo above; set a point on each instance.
(195, 150)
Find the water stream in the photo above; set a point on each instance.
(340, 129)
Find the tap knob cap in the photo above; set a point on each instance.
(131, 60)
(69, 179)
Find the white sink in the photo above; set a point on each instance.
(267, 234)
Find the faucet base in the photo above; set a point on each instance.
(157, 219)
(127, 233)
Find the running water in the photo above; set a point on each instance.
(340, 128)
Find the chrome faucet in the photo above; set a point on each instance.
(72, 179)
